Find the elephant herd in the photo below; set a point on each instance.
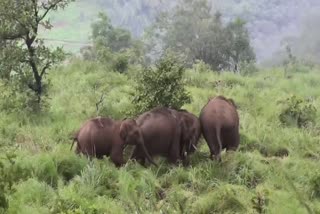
(166, 132)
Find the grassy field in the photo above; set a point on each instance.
(276, 169)
(71, 26)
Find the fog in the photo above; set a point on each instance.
(272, 23)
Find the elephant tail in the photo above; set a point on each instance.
(218, 134)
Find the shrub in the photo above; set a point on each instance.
(69, 165)
(297, 111)
(161, 86)
(200, 66)
(120, 62)
(248, 68)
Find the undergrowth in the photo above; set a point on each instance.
(274, 171)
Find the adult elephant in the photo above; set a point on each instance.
(190, 132)
(220, 125)
(161, 132)
(103, 136)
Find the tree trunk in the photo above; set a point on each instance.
(37, 87)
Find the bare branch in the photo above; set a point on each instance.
(44, 69)
(47, 9)
(99, 102)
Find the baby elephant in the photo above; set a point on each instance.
(190, 132)
(220, 125)
(104, 136)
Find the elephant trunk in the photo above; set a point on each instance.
(147, 153)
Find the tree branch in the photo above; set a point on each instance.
(99, 102)
(44, 69)
(13, 36)
(47, 9)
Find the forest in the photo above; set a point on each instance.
(64, 62)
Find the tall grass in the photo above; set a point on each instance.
(274, 171)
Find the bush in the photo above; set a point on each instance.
(69, 165)
(120, 62)
(200, 66)
(248, 68)
(297, 111)
(161, 86)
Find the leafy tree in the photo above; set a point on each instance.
(162, 85)
(239, 48)
(106, 35)
(24, 55)
(112, 45)
(191, 29)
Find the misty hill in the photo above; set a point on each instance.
(269, 21)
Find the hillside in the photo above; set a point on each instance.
(274, 171)
(269, 22)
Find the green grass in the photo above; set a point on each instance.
(44, 176)
(71, 26)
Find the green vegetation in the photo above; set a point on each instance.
(274, 171)
(268, 22)
(192, 30)
(112, 45)
(25, 58)
(161, 86)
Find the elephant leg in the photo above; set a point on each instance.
(138, 155)
(232, 139)
(214, 145)
(186, 161)
(117, 156)
(175, 149)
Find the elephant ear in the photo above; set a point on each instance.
(231, 101)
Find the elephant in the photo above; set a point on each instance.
(161, 131)
(190, 132)
(219, 121)
(104, 136)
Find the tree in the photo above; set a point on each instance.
(112, 45)
(20, 22)
(239, 49)
(162, 85)
(192, 30)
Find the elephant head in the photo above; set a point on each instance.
(189, 134)
(131, 134)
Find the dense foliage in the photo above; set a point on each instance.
(268, 22)
(191, 29)
(275, 170)
(162, 85)
(112, 45)
(26, 59)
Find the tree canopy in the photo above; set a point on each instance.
(24, 55)
(191, 29)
